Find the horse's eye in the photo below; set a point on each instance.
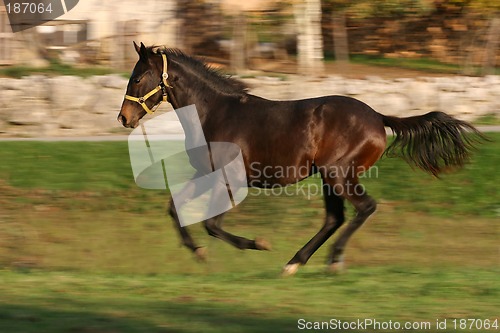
(137, 80)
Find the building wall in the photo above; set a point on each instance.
(112, 25)
(156, 19)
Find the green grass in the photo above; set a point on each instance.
(73, 166)
(54, 69)
(104, 167)
(83, 249)
(420, 64)
(488, 119)
(246, 302)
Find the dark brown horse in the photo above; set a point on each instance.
(335, 136)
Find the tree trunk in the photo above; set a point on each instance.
(340, 43)
(492, 43)
(238, 46)
(309, 39)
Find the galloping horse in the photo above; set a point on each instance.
(320, 135)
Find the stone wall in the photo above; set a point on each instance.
(60, 106)
(462, 96)
(39, 106)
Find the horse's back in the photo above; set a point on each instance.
(298, 133)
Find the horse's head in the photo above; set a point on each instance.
(147, 87)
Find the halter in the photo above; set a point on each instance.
(161, 86)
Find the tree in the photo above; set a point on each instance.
(307, 15)
(492, 42)
(340, 40)
(336, 11)
(239, 43)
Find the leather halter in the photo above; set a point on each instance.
(162, 86)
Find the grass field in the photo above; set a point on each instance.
(82, 249)
(421, 64)
(54, 68)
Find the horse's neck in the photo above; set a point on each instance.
(198, 95)
(188, 98)
(199, 90)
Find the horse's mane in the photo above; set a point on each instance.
(223, 83)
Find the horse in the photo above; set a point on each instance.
(337, 137)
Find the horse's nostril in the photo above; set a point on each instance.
(122, 120)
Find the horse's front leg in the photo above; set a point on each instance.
(213, 227)
(189, 191)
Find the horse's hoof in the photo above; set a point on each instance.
(336, 267)
(201, 254)
(262, 244)
(290, 270)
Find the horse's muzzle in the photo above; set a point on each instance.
(123, 120)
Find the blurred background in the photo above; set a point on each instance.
(460, 32)
(84, 250)
(401, 57)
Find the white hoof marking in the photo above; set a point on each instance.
(290, 270)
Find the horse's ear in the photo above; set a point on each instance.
(142, 51)
(137, 48)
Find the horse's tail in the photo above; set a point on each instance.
(433, 142)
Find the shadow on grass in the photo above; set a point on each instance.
(182, 317)
(28, 319)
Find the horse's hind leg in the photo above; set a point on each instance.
(334, 206)
(365, 206)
